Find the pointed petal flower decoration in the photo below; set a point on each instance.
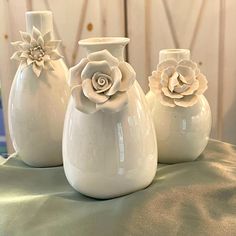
(178, 83)
(100, 82)
(36, 50)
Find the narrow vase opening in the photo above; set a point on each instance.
(115, 45)
(42, 20)
(177, 54)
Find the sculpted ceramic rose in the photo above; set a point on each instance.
(100, 82)
(178, 83)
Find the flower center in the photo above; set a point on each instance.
(101, 82)
(36, 53)
(176, 83)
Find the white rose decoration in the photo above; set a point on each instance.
(100, 82)
(178, 83)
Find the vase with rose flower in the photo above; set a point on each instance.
(39, 94)
(180, 111)
(109, 143)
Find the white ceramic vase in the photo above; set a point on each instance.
(109, 154)
(182, 132)
(37, 103)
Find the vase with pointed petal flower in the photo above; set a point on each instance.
(109, 143)
(39, 94)
(180, 111)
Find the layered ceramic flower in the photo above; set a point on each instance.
(100, 82)
(37, 50)
(178, 83)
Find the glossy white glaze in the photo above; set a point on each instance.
(105, 154)
(37, 108)
(182, 132)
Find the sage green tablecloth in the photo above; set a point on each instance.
(196, 198)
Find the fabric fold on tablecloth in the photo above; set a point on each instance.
(192, 198)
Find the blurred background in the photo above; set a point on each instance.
(206, 27)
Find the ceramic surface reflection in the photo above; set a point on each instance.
(37, 105)
(107, 155)
(36, 115)
(110, 154)
(182, 134)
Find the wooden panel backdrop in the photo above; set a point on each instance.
(203, 26)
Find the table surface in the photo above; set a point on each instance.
(194, 198)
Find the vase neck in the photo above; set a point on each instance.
(177, 54)
(115, 45)
(42, 20)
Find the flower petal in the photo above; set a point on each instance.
(167, 93)
(82, 103)
(154, 80)
(36, 33)
(194, 86)
(167, 63)
(16, 56)
(89, 92)
(24, 54)
(186, 74)
(104, 55)
(190, 64)
(155, 75)
(37, 70)
(93, 67)
(25, 46)
(17, 44)
(75, 73)
(128, 76)
(40, 41)
(165, 75)
(115, 104)
(29, 61)
(181, 88)
(202, 84)
(116, 75)
(155, 86)
(33, 42)
(186, 101)
(166, 101)
(54, 55)
(26, 37)
(40, 63)
(52, 45)
(173, 81)
(47, 37)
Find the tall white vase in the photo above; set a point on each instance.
(182, 132)
(37, 103)
(108, 154)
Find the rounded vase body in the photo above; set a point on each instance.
(107, 154)
(182, 132)
(37, 108)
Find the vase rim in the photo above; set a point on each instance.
(174, 53)
(104, 41)
(38, 12)
(175, 50)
